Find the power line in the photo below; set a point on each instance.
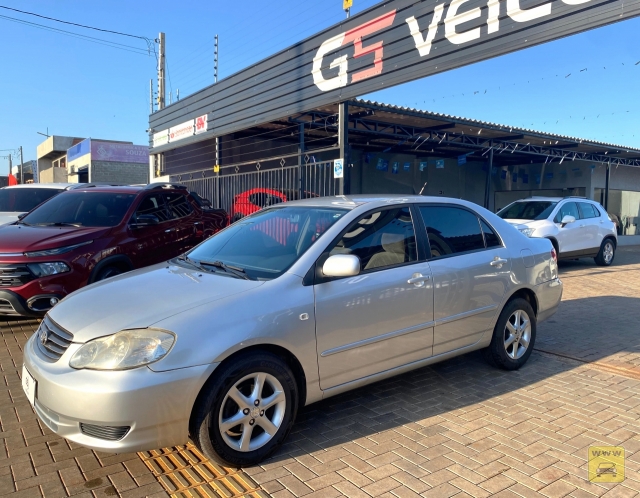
(92, 39)
(75, 24)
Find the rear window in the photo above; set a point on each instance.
(527, 210)
(22, 200)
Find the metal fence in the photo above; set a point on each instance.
(312, 179)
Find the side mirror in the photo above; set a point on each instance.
(22, 215)
(145, 220)
(341, 265)
(567, 219)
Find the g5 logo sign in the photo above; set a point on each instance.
(343, 39)
(424, 36)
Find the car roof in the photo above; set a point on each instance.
(43, 185)
(117, 189)
(555, 199)
(354, 201)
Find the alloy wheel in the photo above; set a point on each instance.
(607, 252)
(252, 412)
(517, 334)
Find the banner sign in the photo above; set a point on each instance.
(161, 138)
(115, 152)
(394, 42)
(201, 124)
(181, 131)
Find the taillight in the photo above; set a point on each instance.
(554, 254)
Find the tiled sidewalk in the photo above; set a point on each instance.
(459, 428)
(35, 462)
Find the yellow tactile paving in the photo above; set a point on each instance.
(184, 472)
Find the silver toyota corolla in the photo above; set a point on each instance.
(286, 307)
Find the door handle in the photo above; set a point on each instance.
(418, 279)
(498, 262)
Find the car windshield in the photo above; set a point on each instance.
(527, 210)
(266, 244)
(21, 200)
(86, 209)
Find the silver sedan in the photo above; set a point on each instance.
(286, 307)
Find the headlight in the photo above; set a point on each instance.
(56, 251)
(46, 269)
(527, 231)
(124, 350)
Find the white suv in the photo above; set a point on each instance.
(577, 227)
(20, 199)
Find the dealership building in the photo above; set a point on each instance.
(293, 124)
(79, 160)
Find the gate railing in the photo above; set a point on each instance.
(311, 179)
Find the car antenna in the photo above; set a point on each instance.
(422, 189)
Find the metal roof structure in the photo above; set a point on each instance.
(413, 129)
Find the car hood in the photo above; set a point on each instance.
(22, 238)
(141, 298)
(8, 217)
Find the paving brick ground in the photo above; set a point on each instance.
(459, 428)
(462, 428)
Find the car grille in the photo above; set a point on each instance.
(6, 307)
(52, 340)
(14, 275)
(104, 432)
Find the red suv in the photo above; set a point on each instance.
(91, 233)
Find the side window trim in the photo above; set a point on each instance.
(496, 233)
(478, 217)
(316, 269)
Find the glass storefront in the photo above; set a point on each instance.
(624, 208)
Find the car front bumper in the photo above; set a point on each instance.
(155, 406)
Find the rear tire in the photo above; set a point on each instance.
(235, 423)
(606, 254)
(513, 336)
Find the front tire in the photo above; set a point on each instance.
(513, 336)
(108, 272)
(607, 253)
(245, 410)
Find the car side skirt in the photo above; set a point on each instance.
(348, 386)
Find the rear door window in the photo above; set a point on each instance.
(490, 237)
(588, 210)
(452, 230)
(178, 205)
(153, 204)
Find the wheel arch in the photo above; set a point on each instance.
(119, 260)
(283, 353)
(612, 239)
(526, 294)
(555, 244)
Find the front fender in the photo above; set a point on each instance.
(269, 314)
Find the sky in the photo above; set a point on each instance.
(583, 86)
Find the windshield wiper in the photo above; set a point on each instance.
(233, 270)
(60, 224)
(191, 262)
(23, 223)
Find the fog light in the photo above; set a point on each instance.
(53, 301)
